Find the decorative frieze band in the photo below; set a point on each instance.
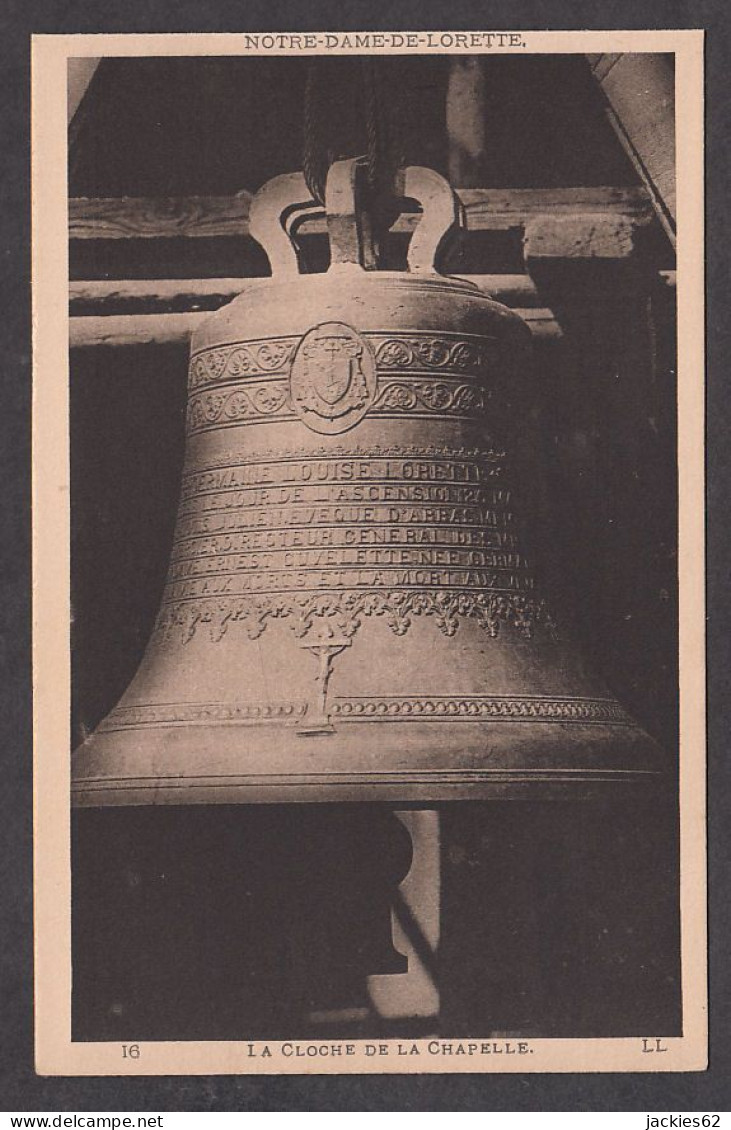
(352, 451)
(345, 611)
(261, 403)
(416, 352)
(167, 714)
(476, 707)
(333, 376)
(427, 352)
(245, 359)
(390, 708)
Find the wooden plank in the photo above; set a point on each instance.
(113, 292)
(522, 204)
(601, 65)
(133, 329)
(640, 94)
(514, 290)
(541, 322)
(80, 73)
(145, 217)
(226, 216)
(579, 237)
(175, 329)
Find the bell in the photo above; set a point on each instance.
(348, 613)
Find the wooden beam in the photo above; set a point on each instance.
(228, 216)
(80, 73)
(579, 237)
(175, 329)
(640, 96)
(103, 293)
(133, 329)
(194, 294)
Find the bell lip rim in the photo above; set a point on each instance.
(352, 788)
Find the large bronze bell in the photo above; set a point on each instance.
(348, 613)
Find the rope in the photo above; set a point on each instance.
(383, 147)
(316, 156)
(383, 155)
(374, 140)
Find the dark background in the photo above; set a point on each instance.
(187, 126)
(680, 1092)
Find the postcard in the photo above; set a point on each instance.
(369, 552)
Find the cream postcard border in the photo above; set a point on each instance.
(55, 1053)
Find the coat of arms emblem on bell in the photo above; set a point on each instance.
(333, 378)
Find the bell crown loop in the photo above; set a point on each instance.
(284, 203)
